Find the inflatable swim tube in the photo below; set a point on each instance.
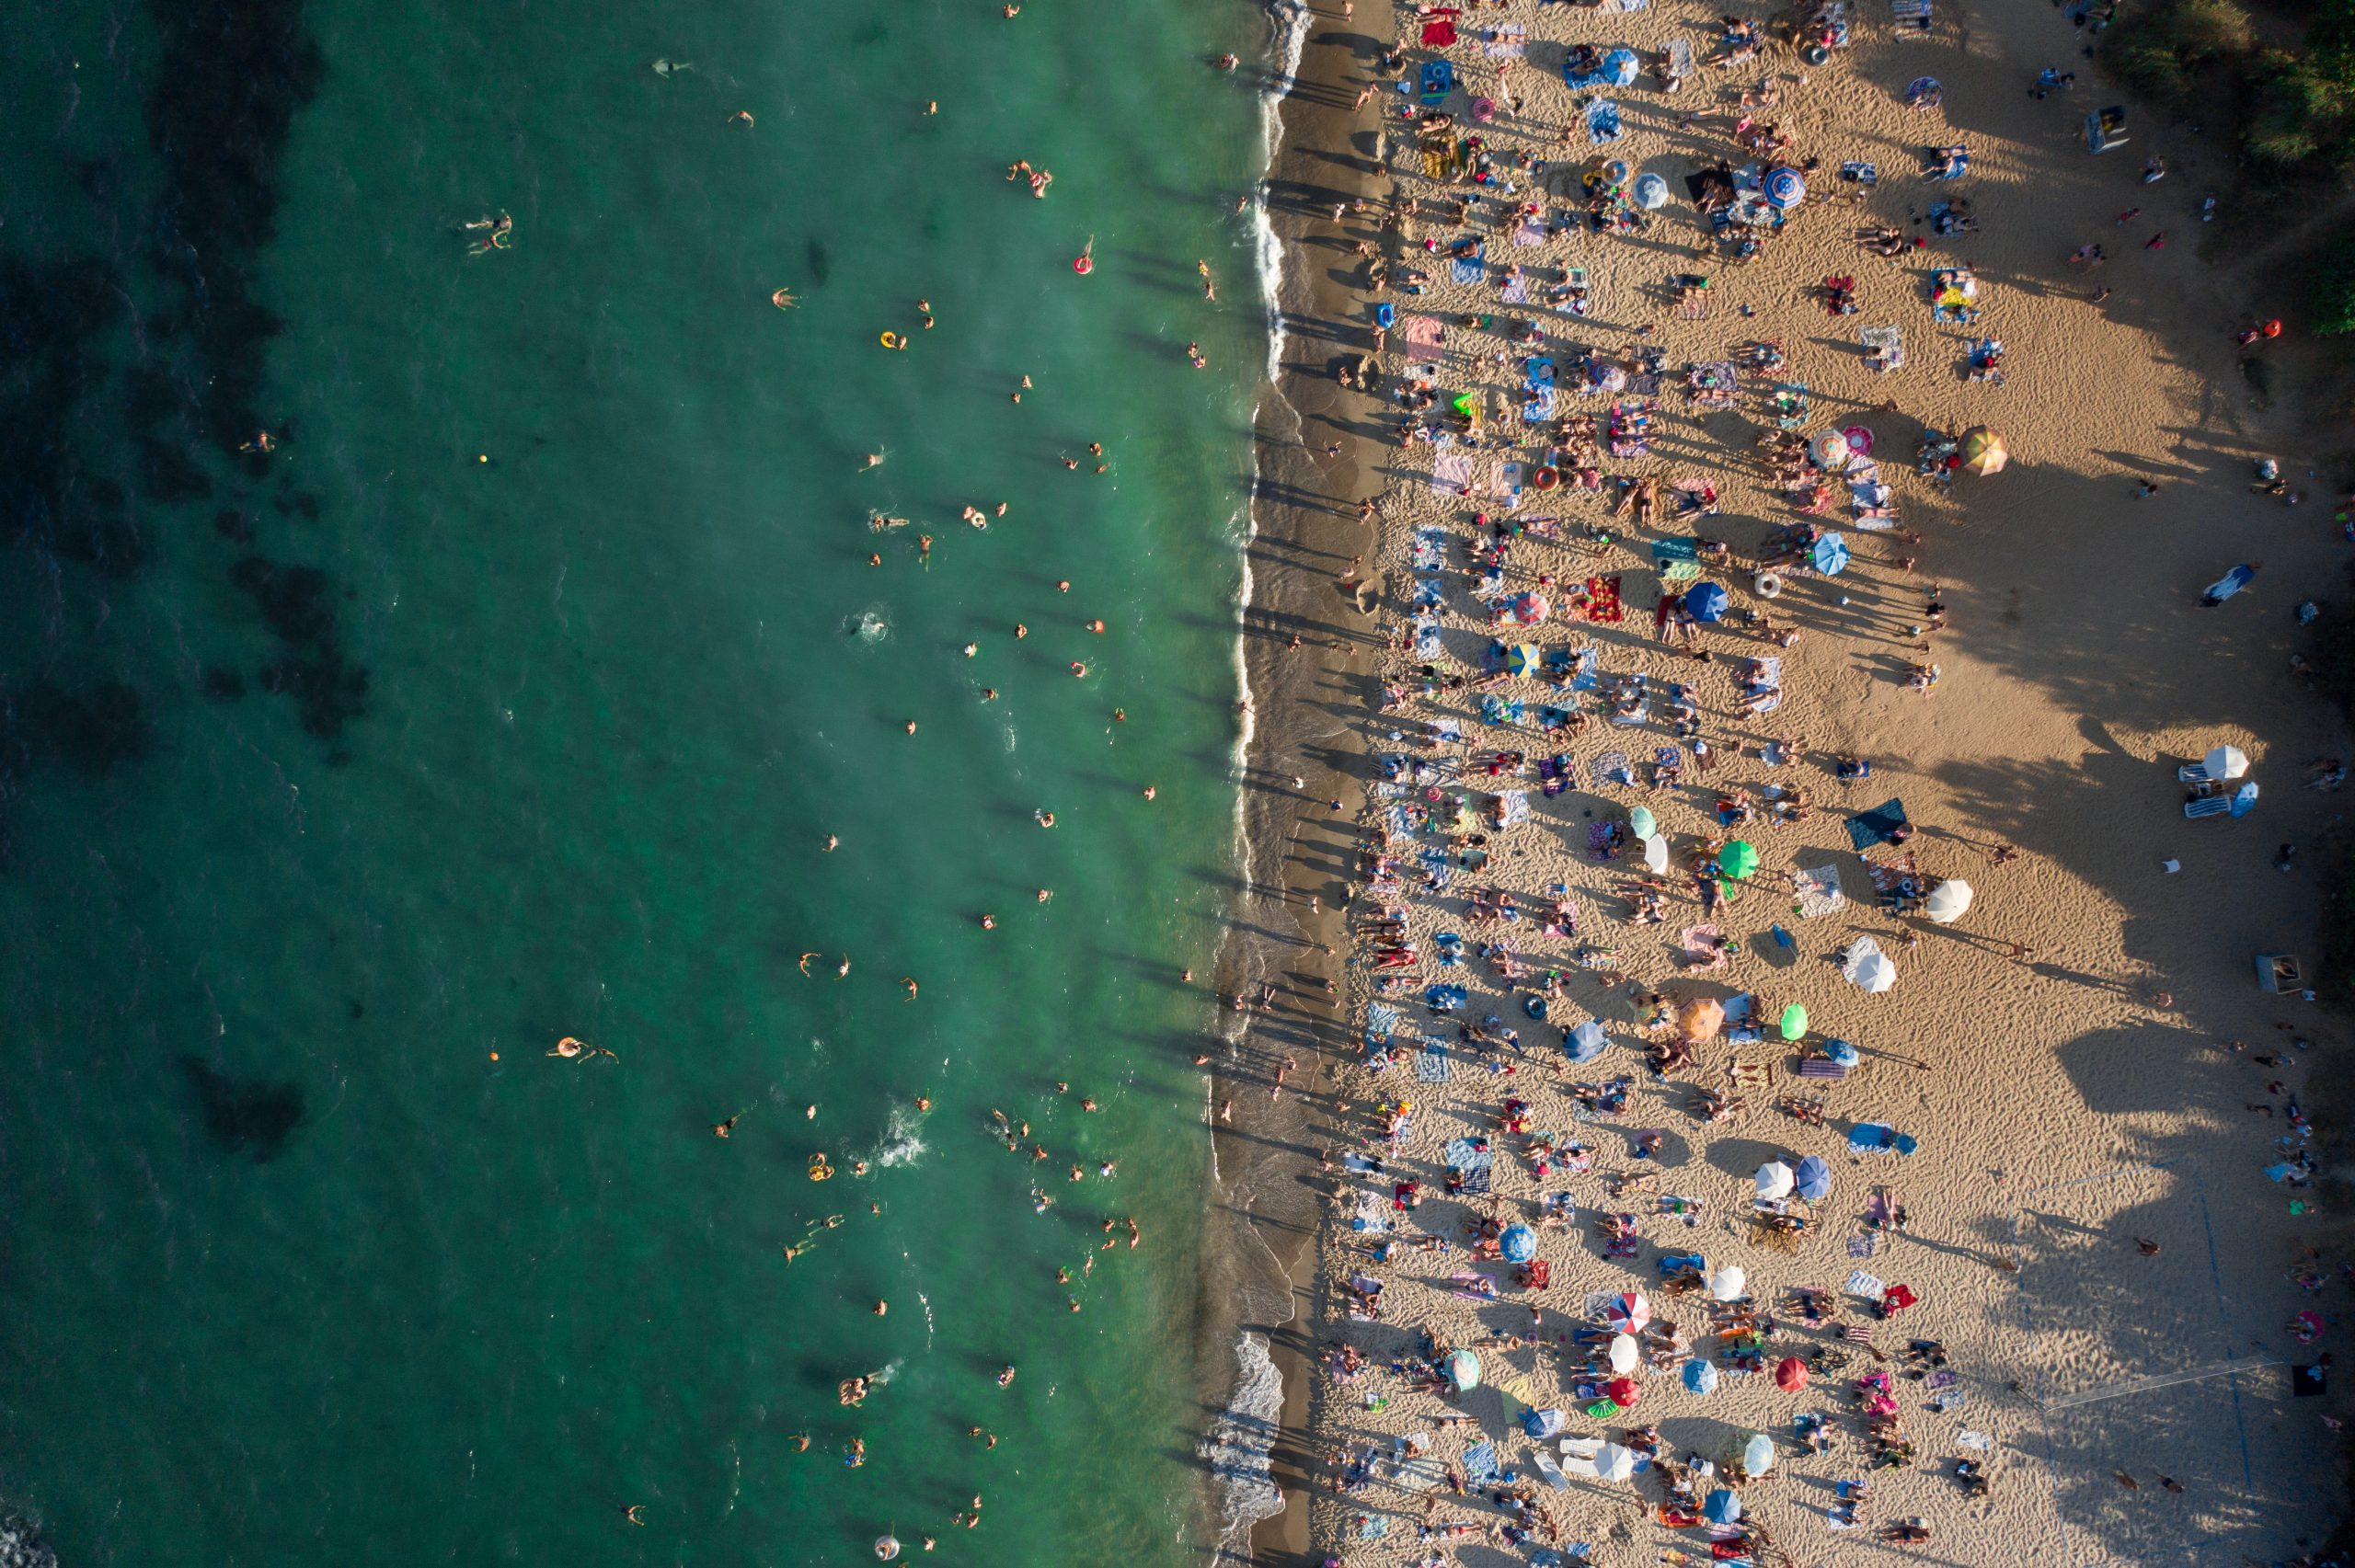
(820, 1170)
(1767, 585)
(892, 340)
(1545, 478)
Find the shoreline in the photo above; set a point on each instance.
(1305, 703)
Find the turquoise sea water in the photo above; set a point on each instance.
(510, 698)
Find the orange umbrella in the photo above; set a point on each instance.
(1700, 1021)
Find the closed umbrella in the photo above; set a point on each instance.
(1774, 1179)
(1463, 1369)
(1625, 1353)
(1701, 1020)
(1758, 1454)
(1623, 1391)
(1519, 1244)
(1642, 823)
(1794, 1024)
(1728, 1283)
(1651, 192)
(1722, 1508)
(2227, 763)
(1737, 859)
(1785, 188)
(1700, 1377)
(1984, 451)
(1656, 853)
(1613, 1462)
(1627, 1312)
(1831, 555)
(1585, 1042)
(1947, 900)
(1706, 601)
(1812, 1180)
(1790, 1374)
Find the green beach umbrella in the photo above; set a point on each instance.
(1738, 860)
(1642, 822)
(1794, 1022)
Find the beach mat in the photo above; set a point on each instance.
(1877, 826)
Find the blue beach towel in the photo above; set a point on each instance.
(1603, 121)
(1877, 826)
(1466, 269)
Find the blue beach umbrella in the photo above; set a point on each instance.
(1519, 1244)
(1585, 1042)
(1700, 1377)
(1785, 189)
(1843, 1053)
(1814, 1180)
(1722, 1508)
(1651, 192)
(1831, 555)
(1706, 601)
(1619, 68)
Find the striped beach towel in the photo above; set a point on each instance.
(1431, 1064)
(1452, 473)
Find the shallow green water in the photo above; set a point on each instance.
(297, 1272)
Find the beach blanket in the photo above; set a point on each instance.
(1611, 768)
(1452, 473)
(1431, 544)
(1676, 560)
(1380, 1018)
(1515, 290)
(1861, 1244)
(1422, 332)
(1509, 42)
(1877, 826)
(1514, 806)
(1700, 942)
(1373, 1212)
(1712, 384)
(1585, 667)
(1603, 601)
(1539, 405)
(1465, 268)
(1431, 1064)
(1427, 594)
(1816, 892)
(1766, 686)
(1480, 1464)
(1422, 1473)
(1531, 232)
(1603, 121)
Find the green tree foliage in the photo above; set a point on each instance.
(2333, 301)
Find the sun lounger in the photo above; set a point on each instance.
(2208, 805)
(1914, 17)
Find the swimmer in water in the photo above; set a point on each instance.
(783, 299)
(842, 970)
(910, 985)
(1136, 1235)
(1045, 818)
(830, 842)
(924, 1102)
(1005, 1377)
(721, 1130)
(805, 961)
(632, 1512)
(571, 1048)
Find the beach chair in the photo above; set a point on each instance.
(2208, 805)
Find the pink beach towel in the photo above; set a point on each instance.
(1452, 473)
(1423, 332)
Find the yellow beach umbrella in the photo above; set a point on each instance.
(1984, 451)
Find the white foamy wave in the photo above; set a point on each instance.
(1240, 1446)
(21, 1545)
(1290, 19)
(883, 1379)
(869, 626)
(902, 1140)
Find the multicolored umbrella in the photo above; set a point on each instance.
(1984, 451)
(1785, 188)
(1627, 1312)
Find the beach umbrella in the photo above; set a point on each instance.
(1700, 1377)
(1865, 963)
(1785, 188)
(1831, 555)
(1758, 1454)
(1643, 824)
(1651, 192)
(1831, 449)
(1794, 1022)
(1463, 1369)
(1737, 859)
(1843, 1053)
(1619, 68)
(1519, 1244)
(1860, 440)
(2245, 799)
(1812, 1180)
(1774, 1179)
(1947, 900)
(1625, 1353)
(1984, 451)
(1706, 601)
(1613, 1462)
(2227, 763)
(1728, 1283)
(1656, 853)
(1790, 1374)
(1722, 1508)
(1627, 1312)
(1623, 1391)
(1529, 609)
(1521, 658)
(1585, 1042)
(1700, 1020)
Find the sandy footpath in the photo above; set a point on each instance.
(2062, 1054)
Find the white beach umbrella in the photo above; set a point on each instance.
(1867, 966)
(1613, 1462)
(1625, 1353)
(2227, 763)
(1947, 900)
(1775, 1180)
(1728, 1283)
(1758, 1454)
(1656, 852)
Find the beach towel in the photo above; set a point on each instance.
(1422, 1473)
(1464, 1154)
(1584, 669)
(1373, 1527)
(1642, 711)
(1422, 332)
(1700, 942)
(1712, 384)
(1514, 806)
(1603, 601)
(1861, 1244)
(1603, 121)
(1431, 1064)
(1766, 686)
(1509, 42)
(1372, 1213)
(1679, 61)
(1816, 892)
(1480, 1464)
(1431, 547)
(1452, 473)
(1877, 826)
(1475, 1181)
(1465, 268)
(1439, 28)
(1668, 757)
(1884, 346)
(1865, 1285)
(1539, 406)
(1380, 1018)
(1611, 768)
(1427, 594)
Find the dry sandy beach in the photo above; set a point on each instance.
(2089, 1228)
